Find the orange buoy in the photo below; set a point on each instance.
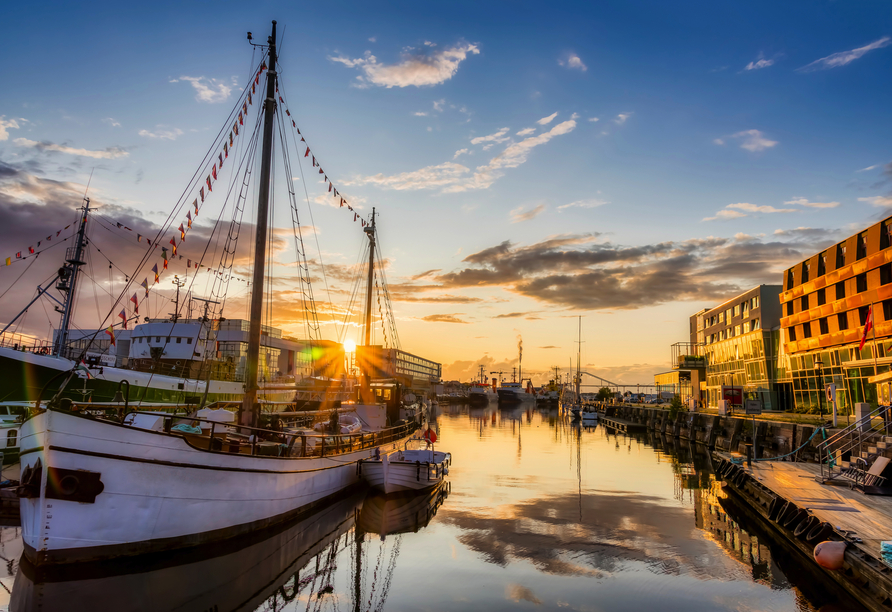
(830, 554)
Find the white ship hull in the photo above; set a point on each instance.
(157, 492)
(392, 475)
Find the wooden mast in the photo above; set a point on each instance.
(250, 410)
(370, 233)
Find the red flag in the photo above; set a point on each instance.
(31, 250)
(354, 217)
(195, 203)
(165, 264)
(18, 255)
(182, 232)
(281, 100)
(123, 316)
(287, 112)
(220, 155)
(868, 325)
(188, 263)
(245, 107)
(342, 203)
(155, 270)
(210, 189)
(214, 171)
(189, 217)
(226, 150)
(111, 334)
(240, 121)
(308, 152)
(174, 243)
(320, 169)
(314, 161)
(294, 125)
(135, 303)
(202, 194)
(329, 188)
(254, 85)
(298, 131)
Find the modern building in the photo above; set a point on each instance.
(410, 370)
(826, 300)
(737, 345)
(674, 382)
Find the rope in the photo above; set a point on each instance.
(814, 433)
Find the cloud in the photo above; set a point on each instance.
(547, 120)
(593, 119)
(526, 132)
(497, 137)
(162, 132)
(732, 211)
(752, 140)
(593, 203)
(373, 39)
(758, 65)
(111, 122)
(518, 214)
(460, 152)
(418, 68)
(726, 214)
(548, 347)
(718, 141)
(807, 204)
(421, 114)
(572, 61)
(878, 201)
(208, 90)
(844, 57)
(107, 153)
(867, 169)
(443, 318)
(8, 124)
(621, 118)
(451, 177)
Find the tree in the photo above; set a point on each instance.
(604, 394)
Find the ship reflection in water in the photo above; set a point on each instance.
(536, 512)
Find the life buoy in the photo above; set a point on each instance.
(430, 435)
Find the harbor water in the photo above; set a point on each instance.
(537, 513)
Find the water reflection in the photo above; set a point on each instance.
(537, 511)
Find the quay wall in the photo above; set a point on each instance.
(726, 433)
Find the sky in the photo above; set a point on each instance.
(629, 163)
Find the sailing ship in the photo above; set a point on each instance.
(98, 487)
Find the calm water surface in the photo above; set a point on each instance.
(537, 514)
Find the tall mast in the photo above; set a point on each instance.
(370, 232)
(250, 411)
(578, 360)
(74, 258)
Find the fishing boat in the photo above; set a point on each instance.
(480, 393)
(407, 469)
(101, 485)
(514, 393)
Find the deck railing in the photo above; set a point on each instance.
(850, 441)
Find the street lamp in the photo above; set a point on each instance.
(819, 369)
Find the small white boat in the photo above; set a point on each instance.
(589, 415)
(407, 469)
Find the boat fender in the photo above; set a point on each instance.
(795, 518)
(830, 554)
(417, 471)
(805, 526)
(359, 468)
(779, 519)
(776, 504)
(819, 532)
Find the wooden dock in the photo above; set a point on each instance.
(768, 484)
(621, 424)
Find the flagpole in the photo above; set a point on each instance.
(873, 328)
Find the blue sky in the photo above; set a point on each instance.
(628, 162)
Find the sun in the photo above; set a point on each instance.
(349, 346)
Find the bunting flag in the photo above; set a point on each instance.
(214, 172)
(135, 303)
(240, 121)
(31, 250)
(18, 255)
(308, 153)
(123, 315)
(230, 139)
(182, 233)
(235, 128)
(342, 203)
(287, 112)
(294, 125)
(155, 270)
(165, 263)
(226, 150)
(210, 189)
(329, 188)
(320, 169)
(145, 285)
(111, 335)
(220, 155)
(195, 203)
(250, 100)
(188, 263)
(354, 217)
(174, 243)
(202, 197)
(314, 158)
(189, 217)
(245, 107)
(9, 261)
(139, 237)
(281, 100)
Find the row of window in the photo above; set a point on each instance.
(158, 340)
(839, 289)
(842, 321)
(860, 253)
(737, 330)
(739, 309)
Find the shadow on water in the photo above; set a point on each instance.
(294, 564)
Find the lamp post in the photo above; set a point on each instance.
(819, 369)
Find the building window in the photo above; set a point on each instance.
(840, 290)
(791, 333)
(721, 317)
(755, 301)
(862, 314)
(746, 309)
(806, 329)
(722, 335)
(736, 330)
(887, 310)
(861, 247)
(736, 310)
(158, 339)
(861, 282)
(803, 303)
(806, 268)
(789, 306)
(822, 264)
(886, 274)
(840, 255)
(825, 329)
(728, 316)
(886, 235)
(179, 340)
(188, 340)
(822, 297)
(790, 278)
(746, 327)
(842, 321)
(755, 324)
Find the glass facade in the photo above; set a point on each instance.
(748, 361)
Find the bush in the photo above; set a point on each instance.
(676, 406)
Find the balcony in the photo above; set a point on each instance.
(687, 356)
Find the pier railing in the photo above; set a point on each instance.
(862, 442)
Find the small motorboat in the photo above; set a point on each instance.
(407, 469)
(589, 415)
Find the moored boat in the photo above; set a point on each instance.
(406, 469)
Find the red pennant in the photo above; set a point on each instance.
(308, 152)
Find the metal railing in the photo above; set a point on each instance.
(282, 444)
(851, 441)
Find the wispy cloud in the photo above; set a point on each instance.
(878, 201)
(443, 318)
(571, 60)
(421, 114)
(867, 169)
(593, 203)
(593, 119)
(460, 152)
(738, 210)
(845, 57)
(547, 120)
(519, 214)
(107, 153)
(622, 118)
(725, 214)
(8, 124)
(807, 204)
(759, 64)
(111, 122)
(526, 132)
(753, 140)
(418, 68)
(497, 137)
(162, 132)
(718, 141)
(208, 90)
